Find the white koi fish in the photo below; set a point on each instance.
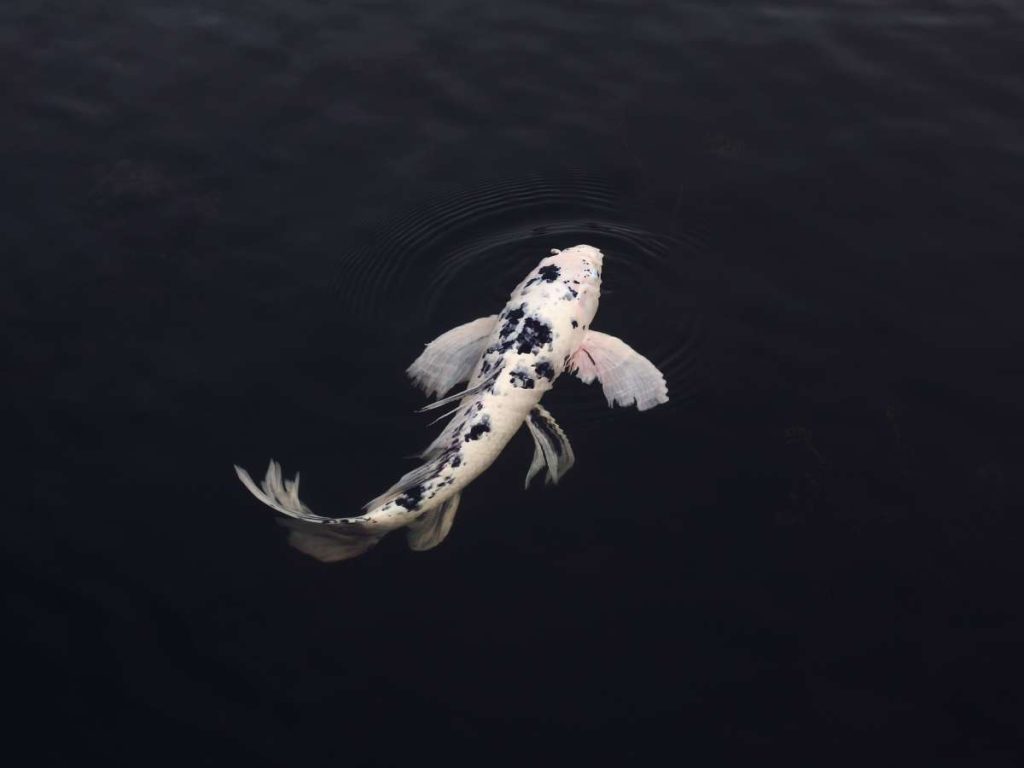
(509, 361)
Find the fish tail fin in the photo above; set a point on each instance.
(326, 544)
(328, 539)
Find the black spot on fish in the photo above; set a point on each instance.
(521, 378)
(501, 348)
(544, 369)
(511, 320)
(550, 273)
(457, 460)
(575, 324)
(534, 335)
(411, 498)
(576, 281)
(482, 427)
(546, 274)
(570, 293)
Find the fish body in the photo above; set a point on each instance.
(508, 362)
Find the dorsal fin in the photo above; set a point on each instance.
(475, 389)
(406, 481)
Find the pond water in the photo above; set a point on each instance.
(229, 227)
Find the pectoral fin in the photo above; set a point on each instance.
(551, 447)
(431, 529)
(449, 359)
(625, 375)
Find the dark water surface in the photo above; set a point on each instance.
(229, 227)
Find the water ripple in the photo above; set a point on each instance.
(458, 256)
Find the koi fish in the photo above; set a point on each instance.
(508, 361)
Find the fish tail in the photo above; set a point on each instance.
(325, 543)
(328, 539)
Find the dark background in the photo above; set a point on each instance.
(228, 228)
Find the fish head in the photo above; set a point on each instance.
(580, 260)
(580, 267)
